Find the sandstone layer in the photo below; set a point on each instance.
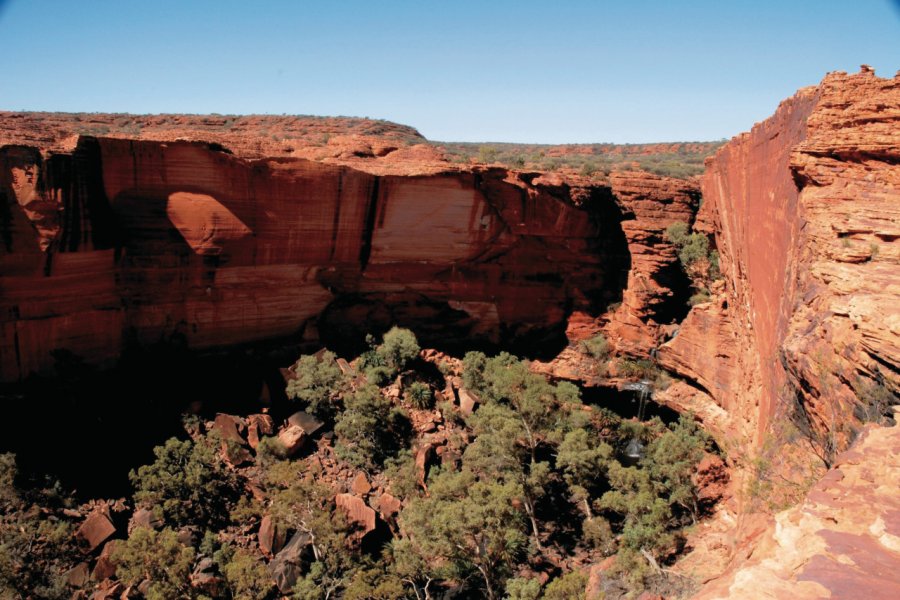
(785, 361)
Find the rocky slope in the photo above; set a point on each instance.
(842, 541)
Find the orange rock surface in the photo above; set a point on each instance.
(842, 541)
(804, 210)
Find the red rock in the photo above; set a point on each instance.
(361, 485)
(651, 204)
(424, 456)
(388, 506)
(271, 537)
(306, 422)
(143, 517)
(229, 427)
(260, 254)
(95, 529)
(293, 439)
(357, 511)
(467, 402)
(257, 427)
(105, 567)
(843, 541)
(78, 576)
(804, 231)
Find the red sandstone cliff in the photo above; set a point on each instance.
(805, 213)
(119, 241)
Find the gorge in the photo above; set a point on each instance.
(270, 236)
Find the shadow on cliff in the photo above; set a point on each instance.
(535, 286)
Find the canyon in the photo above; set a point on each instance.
(213, 233)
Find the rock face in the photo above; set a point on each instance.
(118, 242)
(805, 212)
(804, 333)
(657, 285)
(843, 541)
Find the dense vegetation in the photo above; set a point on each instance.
(531, 485)
(681, 160)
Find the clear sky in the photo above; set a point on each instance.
(488, 70)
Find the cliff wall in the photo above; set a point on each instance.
(804, 209)
(133, 241)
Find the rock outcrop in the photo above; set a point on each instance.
(657, 287)
(842, 541)
(801, 345)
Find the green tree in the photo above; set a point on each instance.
(317, 384)
(523, 588)
(158, 557)
(499, 454)
(245, 574)
(369, 429)
(672, 459)
(398, 347)
(467, 524)
(583, 459)
(187, 483)
(301, 504)
(570, 586)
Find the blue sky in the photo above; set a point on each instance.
(522, 71)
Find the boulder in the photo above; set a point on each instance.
(78, 575)
(257, 427)
(105, 567)
(206, 579)
(293, 439)
(361, 485)
(305, 421)
(388, 506)
(229, 427)
(357, 511)
(288, 565)
(95, 530)
(467, 402)
(144, 517)
(270, 536)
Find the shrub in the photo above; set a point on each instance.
(369, 429)
(187, 483)
(378, 376)
(419, 395)
(398, 348)
(699, 298)
(874, 401)
(316, 384)
(636, 369)
(246, 574)
(597, 532)
(597, 346)
(523, 588)
(487, 154)
(156, 556)
(569, 586)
